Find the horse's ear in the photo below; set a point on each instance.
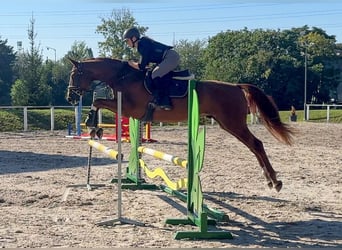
(75, 63)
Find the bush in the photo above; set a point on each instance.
(11, 121)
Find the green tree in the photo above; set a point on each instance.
(112, 28)
(191, 54)
(319, 49)
(20, 93)
(242, 56)
(79, 51)
(56, 76)
(59, 73)
(226, 55)
(29, 68)
(59, 81)
(7, 61)
(274, 60)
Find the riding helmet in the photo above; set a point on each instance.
(129, 33)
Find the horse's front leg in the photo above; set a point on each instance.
(92, 122)
(102, 96)
(92, 119)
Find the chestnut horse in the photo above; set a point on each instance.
(227, 103)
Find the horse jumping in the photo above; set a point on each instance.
(226, 102)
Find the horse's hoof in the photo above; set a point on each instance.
(99, 133)
(92, 133)
(278, 186)
(270, 184)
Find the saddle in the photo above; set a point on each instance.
(177, 82)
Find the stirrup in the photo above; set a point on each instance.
(165, 103)
(166, 107)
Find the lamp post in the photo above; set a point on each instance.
(305, 79)
(48, 48)
(306, 46)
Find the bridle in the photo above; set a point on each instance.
(76, 88)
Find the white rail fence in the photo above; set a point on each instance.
(77, 109)
(327, 106)
(78, 113)
(52, 113)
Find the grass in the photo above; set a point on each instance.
(39, 119)
(318, 115)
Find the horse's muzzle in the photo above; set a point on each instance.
(73, 96)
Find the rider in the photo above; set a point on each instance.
(152, 51)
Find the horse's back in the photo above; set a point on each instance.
(221, 97)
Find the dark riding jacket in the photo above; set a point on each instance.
(151, 51)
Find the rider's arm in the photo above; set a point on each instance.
(133, 64)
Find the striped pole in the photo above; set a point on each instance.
(106, 150)
(166, 157)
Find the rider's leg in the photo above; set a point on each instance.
(169, 63)
(161, 94)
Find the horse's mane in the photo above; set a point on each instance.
(104, 59)
(121, 67)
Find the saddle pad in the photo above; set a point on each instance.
(177, 88)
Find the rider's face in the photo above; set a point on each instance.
(129, 43)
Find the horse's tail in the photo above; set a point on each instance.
(269, 113)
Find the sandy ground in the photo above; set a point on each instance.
(38, 210)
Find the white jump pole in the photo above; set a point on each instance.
(119, 126)
(119, 219)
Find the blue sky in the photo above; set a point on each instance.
(59, 23)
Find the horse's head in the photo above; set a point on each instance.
(111, 71)
(80, 81)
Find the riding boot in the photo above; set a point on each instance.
(160, 94)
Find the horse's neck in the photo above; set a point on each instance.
(126, 78)
(132, 72)
(134, 94)
(116, 73)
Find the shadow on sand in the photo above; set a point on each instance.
(324, 230)
(314, 233)
(20, 162)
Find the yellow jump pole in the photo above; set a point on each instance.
(164, 156)
(113, 154)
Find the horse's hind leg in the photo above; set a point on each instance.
(256, 146)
